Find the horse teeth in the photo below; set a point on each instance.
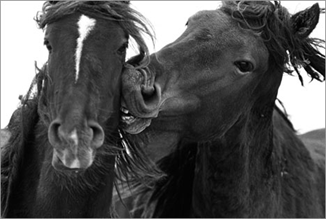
(124, 110)
(128, 119)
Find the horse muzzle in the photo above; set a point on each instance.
(74, 147)
(141, 99)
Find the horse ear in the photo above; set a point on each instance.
(304, 22)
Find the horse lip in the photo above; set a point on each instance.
(63, 168)
(136, 126)
(58, 164)
(131, 123)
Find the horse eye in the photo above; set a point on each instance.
(122, 49)
(244, 66)
(48, 46)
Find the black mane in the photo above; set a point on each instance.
(170, 196)
(273, 23)
(21, 130)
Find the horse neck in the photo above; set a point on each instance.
(232, 170)
(171, 196)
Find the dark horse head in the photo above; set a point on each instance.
(207, 101)
(228, 62)
(60, 159)
(80, 100)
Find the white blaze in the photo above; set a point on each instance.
(85, 26)
(74, 136)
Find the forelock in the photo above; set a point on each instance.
(133, 22)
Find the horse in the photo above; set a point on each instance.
(204, 110)
(65, 147)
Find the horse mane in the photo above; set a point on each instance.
(273, 23)
(21, 127)
(170, 196)
(133, 22)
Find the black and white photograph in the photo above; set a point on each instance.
(162, 109)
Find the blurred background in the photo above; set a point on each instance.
(22, 46)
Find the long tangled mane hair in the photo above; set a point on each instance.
(131, 162)
(273, 23)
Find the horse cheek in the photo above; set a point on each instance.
(181, 104)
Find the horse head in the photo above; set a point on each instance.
(81, 82)
(228, 63)
(206, 102)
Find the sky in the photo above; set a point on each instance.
(22, 46)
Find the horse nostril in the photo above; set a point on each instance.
(98, 134)
(151, 97)
(57, 136)
(53, 133)
(147, 91)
